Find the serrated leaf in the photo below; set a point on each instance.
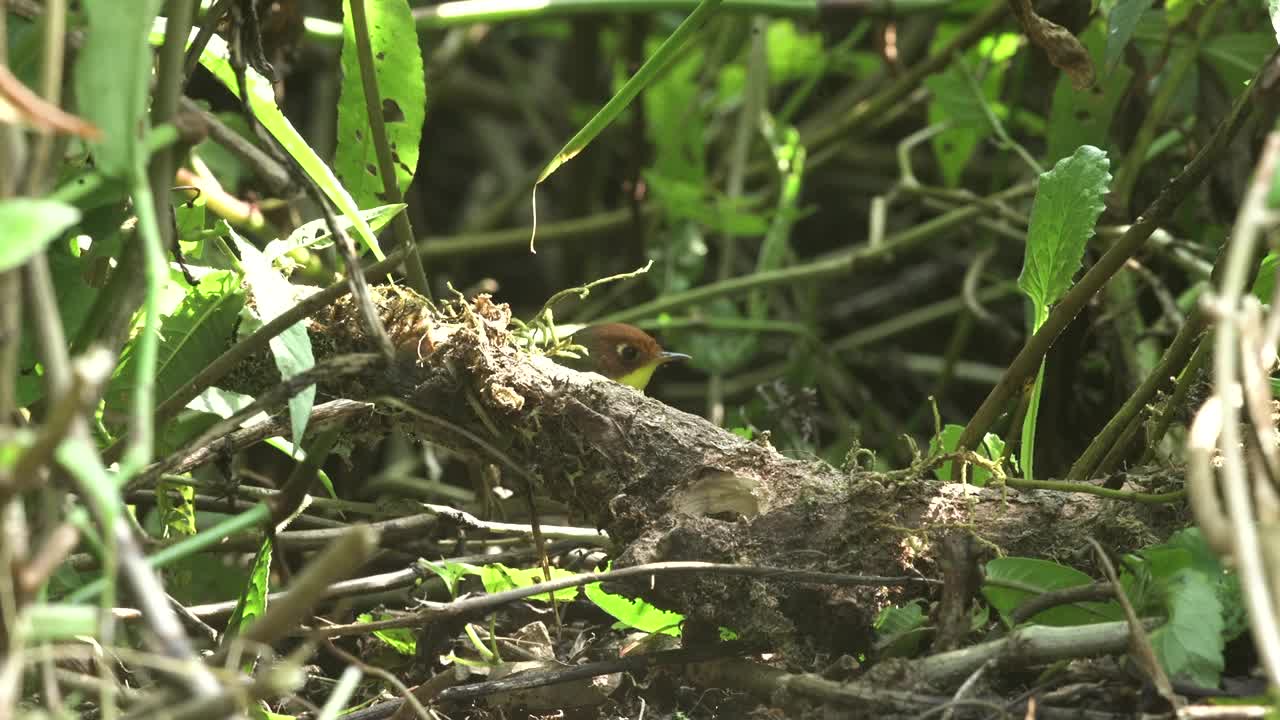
(635, 613)
(1045, 576)
(272, 295)
(30, 224)
(113, 79)
(403, 89)
(1067, 206)
(252, 603)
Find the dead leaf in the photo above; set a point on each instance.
(1064, 50)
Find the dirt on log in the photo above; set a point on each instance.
(670, 486)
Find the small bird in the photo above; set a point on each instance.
(623, 353)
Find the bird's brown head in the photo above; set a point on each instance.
(620, 352)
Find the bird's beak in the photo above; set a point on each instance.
(667, 357)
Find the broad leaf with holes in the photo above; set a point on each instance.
(402, 88)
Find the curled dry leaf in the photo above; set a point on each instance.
(1064, 50)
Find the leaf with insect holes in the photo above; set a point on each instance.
(402, 89)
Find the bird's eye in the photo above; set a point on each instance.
(628, 352)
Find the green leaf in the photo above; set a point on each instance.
(679, 255)
(1190, 644)
(667, 53)
(992, 448)
(29, 225)
(252, 603)
(1122, 19)
(793, 55)
(1044, 576)
(637, 613)
(192, 335)
(1067, 205)
(451, 573)
(499, 577)
(52, 622)
(902, 630)
(13, 445)
(1027, 452)
(178, 519)
(1177, 11)
(717, 351)
(953, 101)
(402, 640)
(1187, 550)
(1265, 283)
(75, 296)
(893, 619)
(403, 89)
(1083, 117)
(113, 79)
(685, 200)
(316, 235)
(216, 58)
(272, 295)
(1237, 56)
(676, 121)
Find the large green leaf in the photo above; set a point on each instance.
(1190, 644)
(403, 89)
(113, 79)
(1067, 205)
(272, 295)
(216, 58)
(29, 225)
(197, 330)
(1237, 56)
(1044, 576)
